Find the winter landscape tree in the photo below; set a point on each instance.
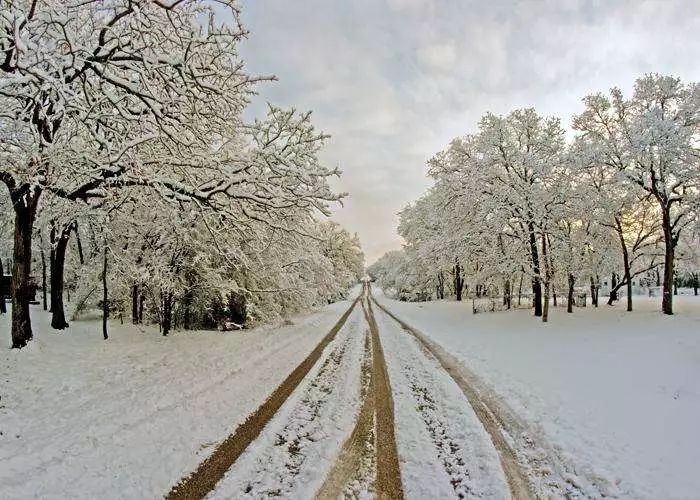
(146, 99)
(651, 140)
(514, 198)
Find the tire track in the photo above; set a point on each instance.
(204, 479)
(372, 443)
(278, 462)
(353, 471)
(517, 481)
(388, 484)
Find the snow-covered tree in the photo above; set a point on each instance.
(504, 171)
(651, 140)
(102, 96)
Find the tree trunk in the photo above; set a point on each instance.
(545, 300)
(570, 298)
(506, 294)
(142, 299)
(536, 280)
(105, 299)
(43, 278)
(167, 312)
(695, 283)
(458, 281)
(3, 307)
(613, 289)
(441, 285)
(135, 303)
(669, 253)
(625, 261)
(667, 300)
(60, 244)
(24, 200)
(80, 245)
(594, 290)
(629, 291)
(520, 289)
(675, 284)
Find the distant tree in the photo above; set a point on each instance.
(651, 140)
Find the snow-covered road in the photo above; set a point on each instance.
(374, 414)
(597, 403)
(412, 399)
(436, 445)
(126, 418)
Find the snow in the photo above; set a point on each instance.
(609, 399)
(443, 449)
(81, 417)
(298, 447)
(614, 394)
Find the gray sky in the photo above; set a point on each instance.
(393, 81)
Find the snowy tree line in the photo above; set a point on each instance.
(516, 206)
(135, 184)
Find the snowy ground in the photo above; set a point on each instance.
(126, 418)
(443, 449)
(298, 446)
(616, 395)
(596, 403)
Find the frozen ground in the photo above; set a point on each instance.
(298, 446)
(443, 449)
(126, 418)
(616, 394)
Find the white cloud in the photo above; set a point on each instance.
(394, 81)
(441, 57)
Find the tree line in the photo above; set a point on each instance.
(516, 201)
(135, 184)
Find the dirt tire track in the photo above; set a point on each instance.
(357, 453)
(517, 482)
(203, 480)
(388, 484)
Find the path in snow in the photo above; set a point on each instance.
(211, 470)
(443, 447)
(296, 448)
(352, 474)
(388, 483)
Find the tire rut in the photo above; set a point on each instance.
(517, 481)
(352, 473)
(204, 479)
(388, 483)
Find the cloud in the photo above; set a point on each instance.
(439, 56)
(394, 81)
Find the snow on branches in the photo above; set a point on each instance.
(134, 109)
(513, 200)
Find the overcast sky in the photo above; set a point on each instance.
(393, 81)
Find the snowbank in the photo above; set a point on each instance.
(81, 417)
(616, 393)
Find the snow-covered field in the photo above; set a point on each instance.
(612, 399)
(615, 394)
(81, 417)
